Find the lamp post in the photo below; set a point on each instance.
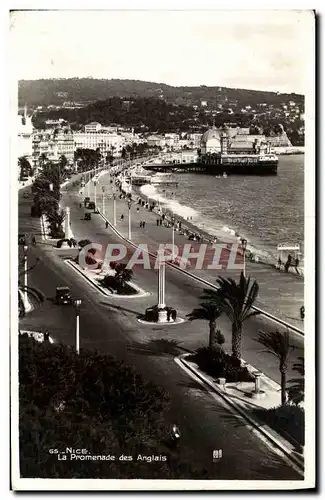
(103, 207)
(129, 207)
(244, 246)
(114, 209)
(77, 304)
(95, 184)
(25, 274)
(173, 236)
(162, 313)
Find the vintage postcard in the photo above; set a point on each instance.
(162, 192)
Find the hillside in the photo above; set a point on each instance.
(87, 90)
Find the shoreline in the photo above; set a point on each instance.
(252, 253)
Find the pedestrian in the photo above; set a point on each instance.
(160, 222)
(157, 221)
(138, 209)
(122, 217)
(296, 265)
(279, 263)
(302, 312)
(80, 205)
(174, 314)
(288, 263)
(33, 240)
(168, 314)
(106, 224)
(143, 224)
(140, 223)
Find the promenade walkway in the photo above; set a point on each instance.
(281, 294)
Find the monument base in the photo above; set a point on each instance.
(162, 316)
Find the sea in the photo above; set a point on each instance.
(266, 210)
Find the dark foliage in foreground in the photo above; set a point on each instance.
(95, 402)
(287, 420)
(219, 364)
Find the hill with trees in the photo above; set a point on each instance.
(85, 90)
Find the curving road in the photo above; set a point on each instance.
(111, 327)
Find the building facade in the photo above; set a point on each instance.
(53, 143)
(104, 141)
(24, 136)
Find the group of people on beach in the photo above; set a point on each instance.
(289, 263)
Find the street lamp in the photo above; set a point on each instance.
(114, 209)
(103, 207)
(77, 304)
(173, 236)
(95, 184)
(25, 274)
(129, 207)
(244, 246)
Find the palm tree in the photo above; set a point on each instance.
(296, 392)
(42, 159)
(278, 344)
(235, 300)
(208, 311)
(24, 166)
(122, 275)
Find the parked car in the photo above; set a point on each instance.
(63, 295)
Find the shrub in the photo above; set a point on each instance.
(287, 420)
(219, 364)
(57, 233)
(83, 243)
(91, 401)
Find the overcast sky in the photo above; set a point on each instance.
(266, 50)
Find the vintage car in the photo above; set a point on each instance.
(63, 295)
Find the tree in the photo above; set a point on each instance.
(296, 391)
(25, 167)
(42, 159)
(236, 301)
(56, 220)
(208, 311)
(123, 275)
(278, 344)
(63, 162)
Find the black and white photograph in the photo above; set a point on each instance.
(162, 225)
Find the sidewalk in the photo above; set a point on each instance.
(281, 294)
(239, 396)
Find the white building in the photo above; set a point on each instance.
(105, 141)
(53, 143)
(25, 134)
(92, 127)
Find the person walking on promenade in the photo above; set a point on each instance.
(122, 217)
(168, 314)
(157, 222)
(140, 223)
(106, 224)
(143, 223)
(296, 265)
(279, 263)
(288, 263)
(174, 314)
(160, 222)
(33, 240)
